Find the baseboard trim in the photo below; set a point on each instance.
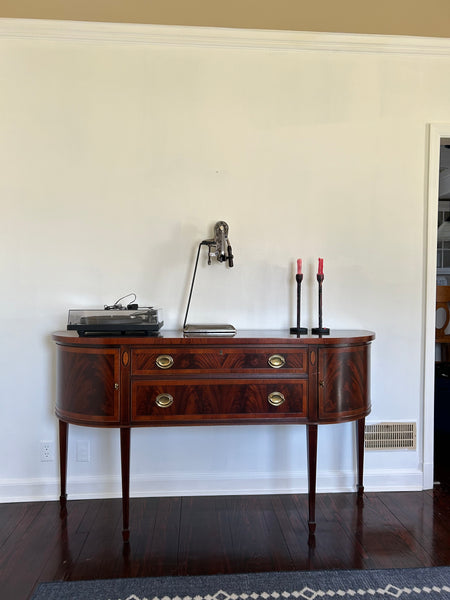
(207, 484)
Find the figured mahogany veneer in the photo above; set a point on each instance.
(253, 377)
(221, 400)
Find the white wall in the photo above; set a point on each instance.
(121, 147)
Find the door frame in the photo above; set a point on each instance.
(436, 132)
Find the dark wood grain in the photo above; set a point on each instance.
(311, 434)
(344, 390)
(222, 534)
(278, 337)
(225, 359)
(63, 448)
(86, 386)
(245, 379)
(419, 516)
(360, 434)
(217, 400)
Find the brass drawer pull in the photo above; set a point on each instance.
(164, 400)
(276, 361)
(164, 361)
(276, 398)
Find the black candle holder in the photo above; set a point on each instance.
(298, 330)
(320, 330)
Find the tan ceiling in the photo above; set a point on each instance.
(430, 18)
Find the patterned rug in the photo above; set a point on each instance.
(414, 584)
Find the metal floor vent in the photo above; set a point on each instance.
(390, 436)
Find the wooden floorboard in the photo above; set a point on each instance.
(426, 518)
(204, 535)
(258, 544)
(227, 534)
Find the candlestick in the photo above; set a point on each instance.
(299, 278)
(320, 330)
(320, 269)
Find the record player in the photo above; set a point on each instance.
(116, 320)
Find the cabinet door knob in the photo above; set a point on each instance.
(164, 400)
(116, 386)
(322, 383)
(276, 361)
(276, 398)
(164, 361)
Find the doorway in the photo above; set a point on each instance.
(442, 366)
(439, 136)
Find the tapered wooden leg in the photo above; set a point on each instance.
(63, 436)
(360, 432)
(125, 461)
(312, 469)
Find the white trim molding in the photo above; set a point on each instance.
(208, 484)
(219, 37)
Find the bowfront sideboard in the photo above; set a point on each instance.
(171, 380)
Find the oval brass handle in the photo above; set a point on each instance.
(276, 398)
(276, 361)
(164, 361)
(164, 400)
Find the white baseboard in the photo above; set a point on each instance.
(428, 475)
(207, 484)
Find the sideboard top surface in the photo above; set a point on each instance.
(257, 336)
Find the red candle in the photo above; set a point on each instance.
(320, 271)
(299, 266)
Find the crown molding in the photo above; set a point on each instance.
(217, 37)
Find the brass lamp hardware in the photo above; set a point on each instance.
(164, 400)
(276, 398)
(276, 361)
(164, 361)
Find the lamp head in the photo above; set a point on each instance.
(220, 246)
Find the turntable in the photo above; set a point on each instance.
(116, 321)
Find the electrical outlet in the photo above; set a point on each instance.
(47, 451)
(83, 451)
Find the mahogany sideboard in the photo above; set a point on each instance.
(172, 380)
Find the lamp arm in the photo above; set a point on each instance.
(208, 243)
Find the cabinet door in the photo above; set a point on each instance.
(88, 385)
(343, 383)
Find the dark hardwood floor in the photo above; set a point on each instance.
(227, 534)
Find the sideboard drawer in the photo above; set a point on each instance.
(146, 361)
(209, 400)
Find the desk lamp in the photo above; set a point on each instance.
(220, 248)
